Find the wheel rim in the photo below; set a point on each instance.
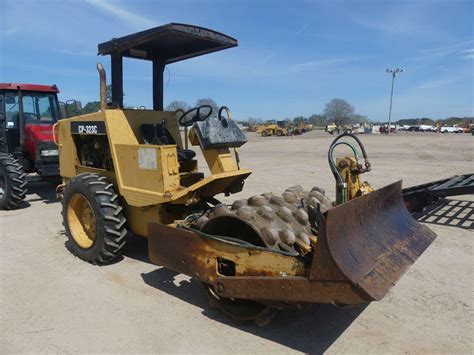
(3, 184)
(81, 221)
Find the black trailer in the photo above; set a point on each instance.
(428, 203)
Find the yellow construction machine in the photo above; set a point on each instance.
(271, 128)
(127, 171)
(336, 129)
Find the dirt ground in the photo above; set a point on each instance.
(54, 302)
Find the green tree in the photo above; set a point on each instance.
(299, 119)
(108, 93)
(408, 122)
(356, 118)
(426, 121)
(453, 121)
(176, 105)
(318, 120)
(91, 107)
(210, 102)
(338, 111)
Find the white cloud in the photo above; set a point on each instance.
(320, 62)
(75, 52)
(440, 52)
(469, 53)
(8, 31)
(134, 20)
(436, 83)
(452, 48)
(410, 19)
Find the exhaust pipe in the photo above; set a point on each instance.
(103, 87)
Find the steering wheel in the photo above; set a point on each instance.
(31, 116)
(227, 111)
(222, 119)
(196, 117)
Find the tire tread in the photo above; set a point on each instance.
(17, 179)
(111, 217)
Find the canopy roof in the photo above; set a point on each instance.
(168, 43)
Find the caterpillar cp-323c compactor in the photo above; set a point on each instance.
(127, 170)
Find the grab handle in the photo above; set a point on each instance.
(54, 134)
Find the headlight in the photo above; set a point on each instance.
(49, 153)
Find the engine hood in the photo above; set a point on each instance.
(39, 132)
(36, 135)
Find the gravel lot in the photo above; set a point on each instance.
(54, 302)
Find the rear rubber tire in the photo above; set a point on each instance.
(12, 181)
(108, 238)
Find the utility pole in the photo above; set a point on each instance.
(394, 73)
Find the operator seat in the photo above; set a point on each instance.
(215, 133)
(158, 134)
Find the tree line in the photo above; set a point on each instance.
(94, 106)
(449, 121)
(337, 111)
(183, 105)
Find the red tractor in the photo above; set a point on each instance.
(27, 116)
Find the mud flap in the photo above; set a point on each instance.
(373, 240)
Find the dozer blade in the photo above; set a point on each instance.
(364, 247)
(373, 240)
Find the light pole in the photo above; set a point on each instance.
(394, 73)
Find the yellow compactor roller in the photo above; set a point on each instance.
(127, 171)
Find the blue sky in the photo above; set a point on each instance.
(293, 56)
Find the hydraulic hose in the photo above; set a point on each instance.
(340, 185)
(340, 181)
(359, 143)
(239, 242)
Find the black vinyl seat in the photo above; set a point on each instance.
(214, 133)
(158, 134)
(185, 154)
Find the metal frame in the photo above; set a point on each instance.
(161, 45)
(447, 212)
(421, 196)
(21, 123)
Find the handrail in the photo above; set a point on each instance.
(54, 134)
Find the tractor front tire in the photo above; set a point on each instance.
(280, 133)
(13, 184)
(93, 219)
(264, 133)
